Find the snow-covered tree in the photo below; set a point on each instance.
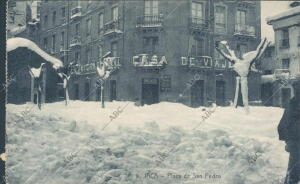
(65, 77)
(104, 71)
(242, 66)
(37, 75)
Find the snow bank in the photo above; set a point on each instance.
(14, 43)
(142, 140)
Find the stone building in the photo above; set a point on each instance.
(286, 63)
(165, 50)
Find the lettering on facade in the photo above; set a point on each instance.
(204, 62)
(200, 62)
(112, 62)
(147, 60)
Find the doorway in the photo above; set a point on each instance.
(150, 91)
(267, 94)
(285, 97)
(197, 93)
(76, 93)
(220, 93)
(113, 90)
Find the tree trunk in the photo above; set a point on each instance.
(67, 96)
(102, 95)
(237, 88)
(244, 90)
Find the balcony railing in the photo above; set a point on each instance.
(75, 42)
(244, 30)
(112, 27)
(149, 61)
(76, 12)
(284, 43)
(112, 63)
(150, 21)
(220, 28)
(197, 62)
(198, 23)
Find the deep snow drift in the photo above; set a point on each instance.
(155, 144)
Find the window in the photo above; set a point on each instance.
(101, 21)
(114, 49)
(100, 51)
(285, 42)
(45, 43)
(241, 17)
(268, 53)
(46, 20)
(242, 49)
(77, 57)
(88, 55)
(115, 12)
(54, 17)
(220, 18)
(63, 11)
(285, 63)
(77, 26)
(197, 10)
(53, 43)
(151, 7)
(62, 39)
(88, 27)
(150, 45)
(197, 48)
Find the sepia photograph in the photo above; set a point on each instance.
(152, 92)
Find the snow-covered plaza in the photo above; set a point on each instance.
(126, 144)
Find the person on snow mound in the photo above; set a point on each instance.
(289, 131)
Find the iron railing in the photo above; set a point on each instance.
(242, 29)
(150, 21)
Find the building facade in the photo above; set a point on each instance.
(286, 63)
(165, 51)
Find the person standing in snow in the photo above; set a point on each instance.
(289, 131)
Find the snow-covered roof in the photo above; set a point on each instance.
(287, 13)
(14, 43)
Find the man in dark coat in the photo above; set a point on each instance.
(289, 131)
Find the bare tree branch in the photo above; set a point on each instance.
(226, 56)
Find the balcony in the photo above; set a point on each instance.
(76, 13)
(150, 21)
(75, 42)
(62, 48)
(220, 28)
(112, 27)
(282, 73)
(147, 61)
(113, 63)
(83, 69)
(284, 43)
(198, 24)
(203, 62)
(244, 30)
